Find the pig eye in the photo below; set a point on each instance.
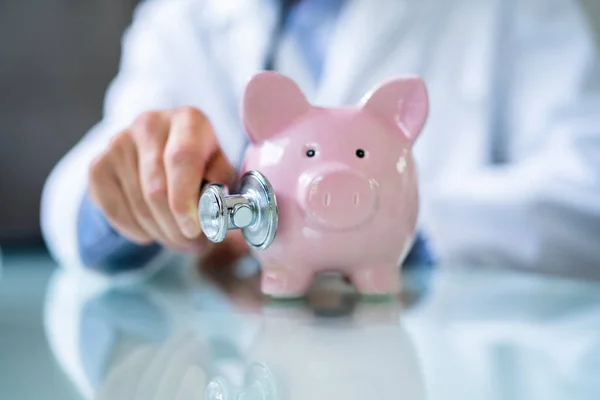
(360, 153)
(310, 153)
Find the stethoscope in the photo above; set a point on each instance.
(253, 210)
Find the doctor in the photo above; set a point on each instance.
(509, 163)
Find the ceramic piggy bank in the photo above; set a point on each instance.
(344, 180)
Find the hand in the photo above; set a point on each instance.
(147, 182)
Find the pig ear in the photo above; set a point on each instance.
(270, 103)
(403, 103)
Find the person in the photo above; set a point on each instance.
(509, 162)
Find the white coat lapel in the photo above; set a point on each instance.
(362, 38)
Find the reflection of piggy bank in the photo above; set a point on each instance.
(297, 356)
(344, 179)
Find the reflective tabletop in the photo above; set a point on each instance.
(207, 333)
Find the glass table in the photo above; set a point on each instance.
(207, 333)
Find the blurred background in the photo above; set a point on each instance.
(55, 65)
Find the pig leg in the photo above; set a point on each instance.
(283, 281)
(381, 279)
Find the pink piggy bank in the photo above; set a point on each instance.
(344, 180)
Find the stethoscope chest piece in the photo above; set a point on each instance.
(253, 210)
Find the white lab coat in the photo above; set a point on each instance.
(509, 162)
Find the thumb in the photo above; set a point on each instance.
(220, 170)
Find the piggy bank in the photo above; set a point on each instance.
(344, 180)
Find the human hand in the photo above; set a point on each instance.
(148, 180)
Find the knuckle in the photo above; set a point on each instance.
(98, 169)
(183, 154)
(155, 162)
(156, 193)
(117, 144)
(191, 115)
(146, 123)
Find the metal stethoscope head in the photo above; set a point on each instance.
(253, 210)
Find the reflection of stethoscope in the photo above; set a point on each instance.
(259, 384)
(253, 210)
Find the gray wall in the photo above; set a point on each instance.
(56, 58)
(593, 9)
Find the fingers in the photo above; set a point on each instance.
(128, 177)
(148, 180)
(106, 193)
(150, 133)
(191, 145)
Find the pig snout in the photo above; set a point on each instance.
(339, 198)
